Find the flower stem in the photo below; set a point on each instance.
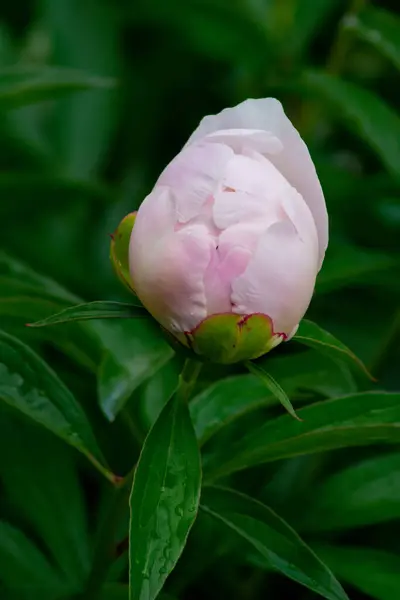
(188, 378)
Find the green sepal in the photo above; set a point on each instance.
(229, 338)
(119, 250)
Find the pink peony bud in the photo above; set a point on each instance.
(235, 225)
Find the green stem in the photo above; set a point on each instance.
(111, 477)
(188, 378)
(105, 550)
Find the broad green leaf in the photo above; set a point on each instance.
(362, 494)
(23, 85)
(310, 334)
(39, 479)
(30, 386)
(25, 569)
(374, 572)
(124, 355)
(136, 350)
(380, 28)
(273, 386)
(226, 400)
(373, 120)
(85, 35)
(273, 538)
(94, 310)
(164, 499)
(230, 398)
(364, 418)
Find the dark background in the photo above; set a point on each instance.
(73, 163)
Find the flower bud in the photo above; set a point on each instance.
(225, 250)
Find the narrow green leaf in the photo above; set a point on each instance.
(273, 538)
(373, 120)
(310, 334)
(273, 386)
(23, 567)
(45, 493)
(354, 420)
(164, 499)
(362, 494)
(230, 398)
(381, 29)
(94, 310)
(85, 36)
(307, 20)
(30, 386)
(374, 572)
(23, 85)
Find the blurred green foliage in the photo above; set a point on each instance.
(96, 96)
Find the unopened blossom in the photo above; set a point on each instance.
(235, 226)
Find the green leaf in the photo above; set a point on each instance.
(232, 397)
(374, 572)
(373, 120)
(310, 334)
(164, 499)
(272, 537)
(94, 310)
(158, 389)
(24, 568)
(380, 28)
(85, 35)
(40, 482)
(123, 355)
(23, 85)
(273, 386)
(307, 20)
(19, 273)
(30, 386)
(136, 350)
(361, 494)
(346, 264)
(226, 400)
(354, 420)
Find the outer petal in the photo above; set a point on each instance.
(195, 175)
(294, 161)
(168, 266)
(279, 280)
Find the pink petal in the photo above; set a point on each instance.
(294, 162)
(194, 175)
(280, 278)
(169, 274)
